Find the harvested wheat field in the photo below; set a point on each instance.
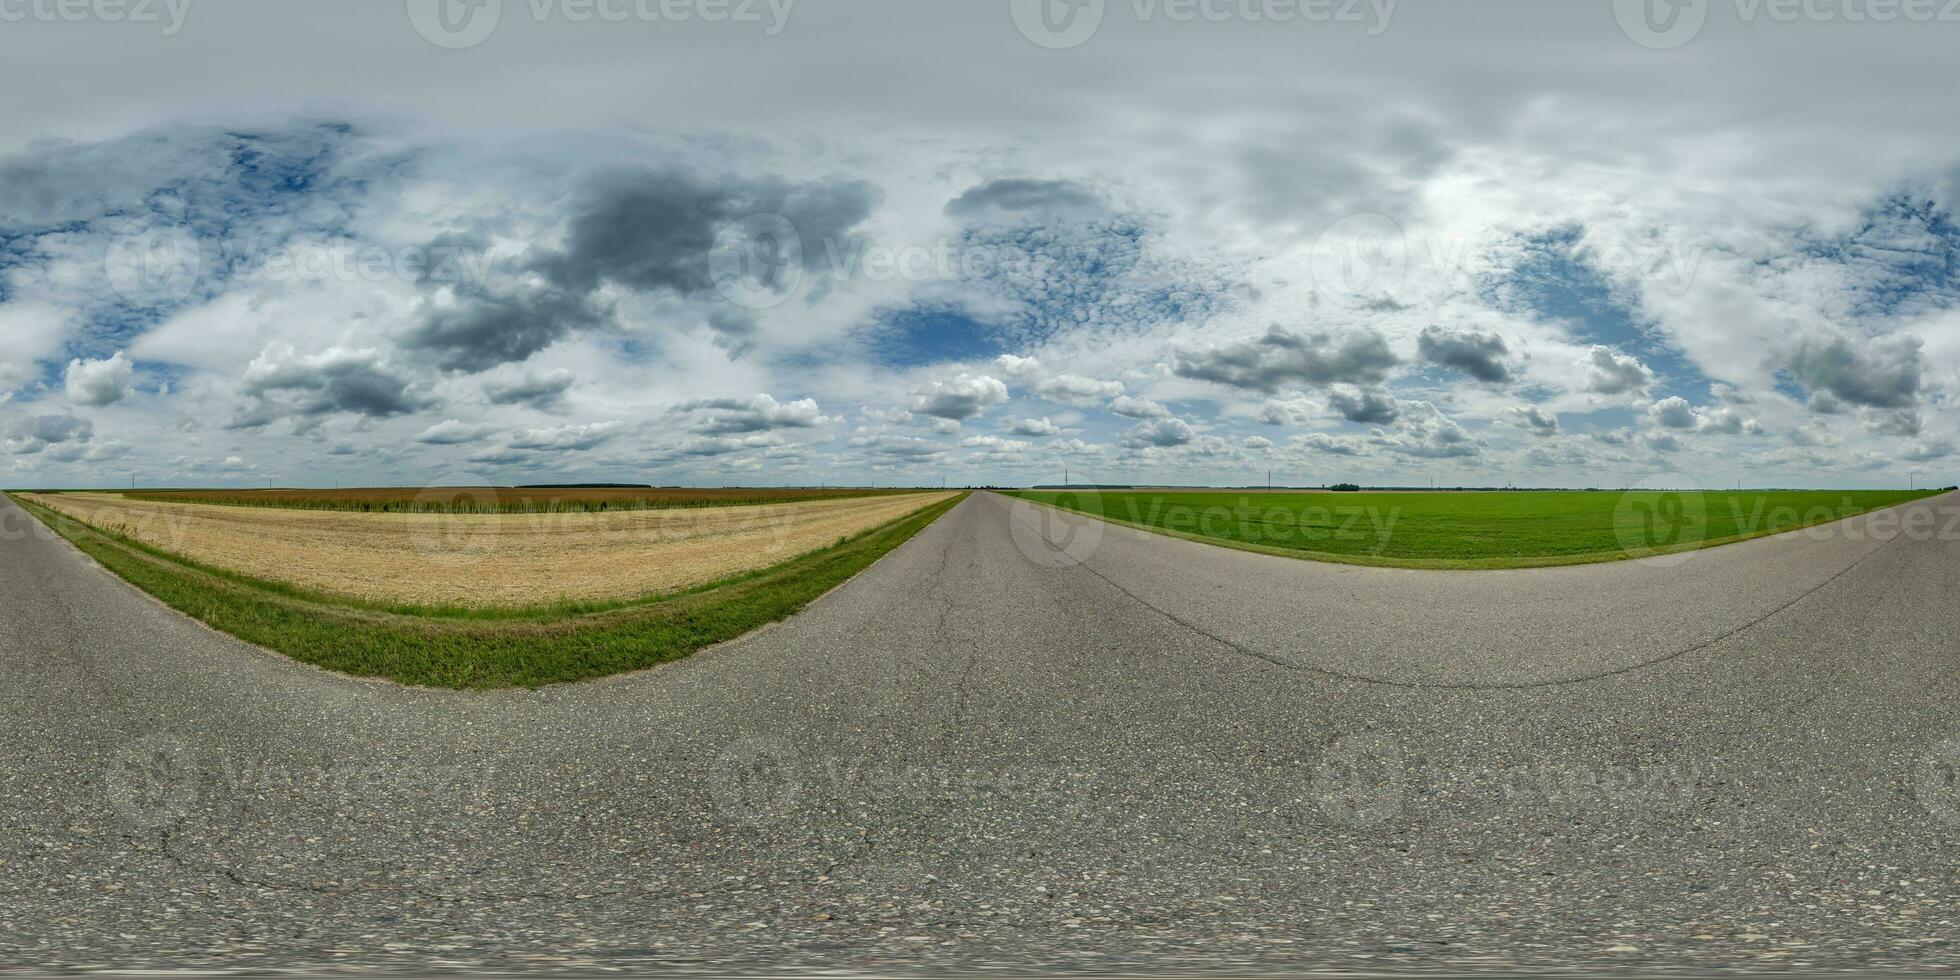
(488, 559)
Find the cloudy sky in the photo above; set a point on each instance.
(711, 242)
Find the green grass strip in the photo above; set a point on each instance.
(499, 651)
(1470, 531)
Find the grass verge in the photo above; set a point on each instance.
(515, 648)
(1474, 530)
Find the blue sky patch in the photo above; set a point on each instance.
(1552, 278)
(931, 335)
(1904, 259)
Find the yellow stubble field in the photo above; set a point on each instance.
(488, 559)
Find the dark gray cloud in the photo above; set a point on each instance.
(1368, 406)
(654, 230)
(545, 392)
(336, 381)
(1282, 359)
(31, 434)
(1938, 447)
(58, 428)
(486, 329)
(642, 230)
(1479, 355)
(1535, 420)
(1882, 373)
(735, 329)
(1902, 422)
(1019, 195)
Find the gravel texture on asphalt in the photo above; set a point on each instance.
(1029, 741)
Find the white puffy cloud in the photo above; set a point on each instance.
(1609, 372)
(1137, 408)
(1675, 413)
(450, 432)
(761, 413)
(1077, 389)
(1159, 434)
(1283, 358)
(961, 398)
(99, 383)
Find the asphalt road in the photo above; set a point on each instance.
(1029, 740)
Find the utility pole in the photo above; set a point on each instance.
(1064, 477)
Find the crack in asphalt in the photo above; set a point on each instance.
(1425, 686)
(936, 592)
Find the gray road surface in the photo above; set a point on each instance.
(1030, 740)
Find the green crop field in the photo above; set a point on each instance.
(1495, 529)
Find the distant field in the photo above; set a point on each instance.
(501, 500)
(1473, 529)
(485, 560)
